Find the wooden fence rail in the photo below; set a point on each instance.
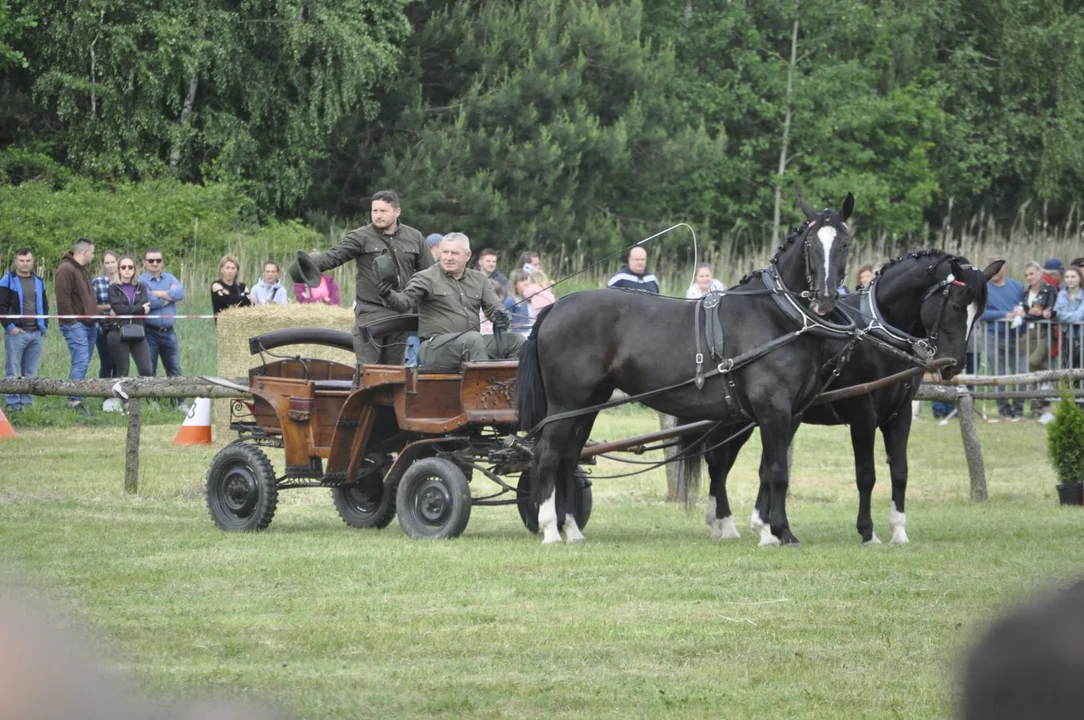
(955, 391)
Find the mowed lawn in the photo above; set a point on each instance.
(649, 618)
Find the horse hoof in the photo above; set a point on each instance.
(767, 539)
(755, 523)
(575, 539)
(874, 540)
(723, 529)
(899, 536)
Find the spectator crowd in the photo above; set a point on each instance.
(127, 313)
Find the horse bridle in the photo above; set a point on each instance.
(923, 348)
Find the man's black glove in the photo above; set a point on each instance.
(500, 322)
(384, 287)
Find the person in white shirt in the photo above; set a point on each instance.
(703, 283)
(268, 290)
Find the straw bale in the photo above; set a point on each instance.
(237, 325)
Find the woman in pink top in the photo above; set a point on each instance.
(538, 293)
(327, 292)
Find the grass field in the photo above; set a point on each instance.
(648, 619)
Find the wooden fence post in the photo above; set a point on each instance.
(131, 454)
(965, 405)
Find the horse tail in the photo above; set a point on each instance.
(687, 468)
(531, 406)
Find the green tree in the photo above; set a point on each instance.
(12, 26)
(546, 123)
(248, 92)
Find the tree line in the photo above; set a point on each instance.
(560, 123)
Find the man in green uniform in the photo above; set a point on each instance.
(384, 235)
(448, 297)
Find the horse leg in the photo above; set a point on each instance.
(862, 438)
(721, 460)
(896, 433)
(776, 434)
(570, 461)
(548, 462)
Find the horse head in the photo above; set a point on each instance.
(952, 306)
(826, 245)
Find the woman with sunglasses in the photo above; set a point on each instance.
(128, 296)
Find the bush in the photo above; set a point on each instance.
(183, 219)
(1065, 438)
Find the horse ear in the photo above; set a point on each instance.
(809, 214)
(848, 207)
(993, 269)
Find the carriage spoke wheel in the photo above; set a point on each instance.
(433, 500)
(370, 504)
(241, 489)
(528, 510)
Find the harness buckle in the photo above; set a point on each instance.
(700, 358)
(924, 350)
(726, 366)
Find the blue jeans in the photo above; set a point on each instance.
(80, 340)
(164, 344)
(22, 356)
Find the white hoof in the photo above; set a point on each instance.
(572, 531)
(547, 520)
(723, 529)
(873, 540)
(767, 539)
(755, 523)
(709, 515)
(551, 538)
(898, 522)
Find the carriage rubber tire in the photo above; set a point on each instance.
(433, 501)
(357, 509)
(528, 511)
(242, 492)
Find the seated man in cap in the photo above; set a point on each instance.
(448, 297)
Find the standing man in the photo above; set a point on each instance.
(1004, 315)
(487, 263)
(75, 296)
(22, 293)
(448, 297)
(165, 292)
(432, 241)
(269, 290)
(385, 235)
(634, 275)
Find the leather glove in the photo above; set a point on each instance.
(501, 322)
(384, 287)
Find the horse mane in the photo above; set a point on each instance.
(791, 238)
(974, 280)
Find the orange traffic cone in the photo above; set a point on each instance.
(6, 430)
(196, 429)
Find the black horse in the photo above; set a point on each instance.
(924, 305)
(590, 343)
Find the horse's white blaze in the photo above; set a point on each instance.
(709, 514)
(898, 522)
(827, 236)
(572, 530)
(723, 529)
(755, 523)
(972, 313)
(547, 520)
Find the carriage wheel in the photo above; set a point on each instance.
(528, 511)
(241, 489)
(370, 504)
(433, 500)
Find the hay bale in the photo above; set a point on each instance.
(237, 325)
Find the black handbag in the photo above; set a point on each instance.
(131, 333)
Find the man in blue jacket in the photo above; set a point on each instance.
(634, 275)
(1004, 315)
(22, 293)
(165, 292)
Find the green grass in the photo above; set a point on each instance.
(648, 619)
